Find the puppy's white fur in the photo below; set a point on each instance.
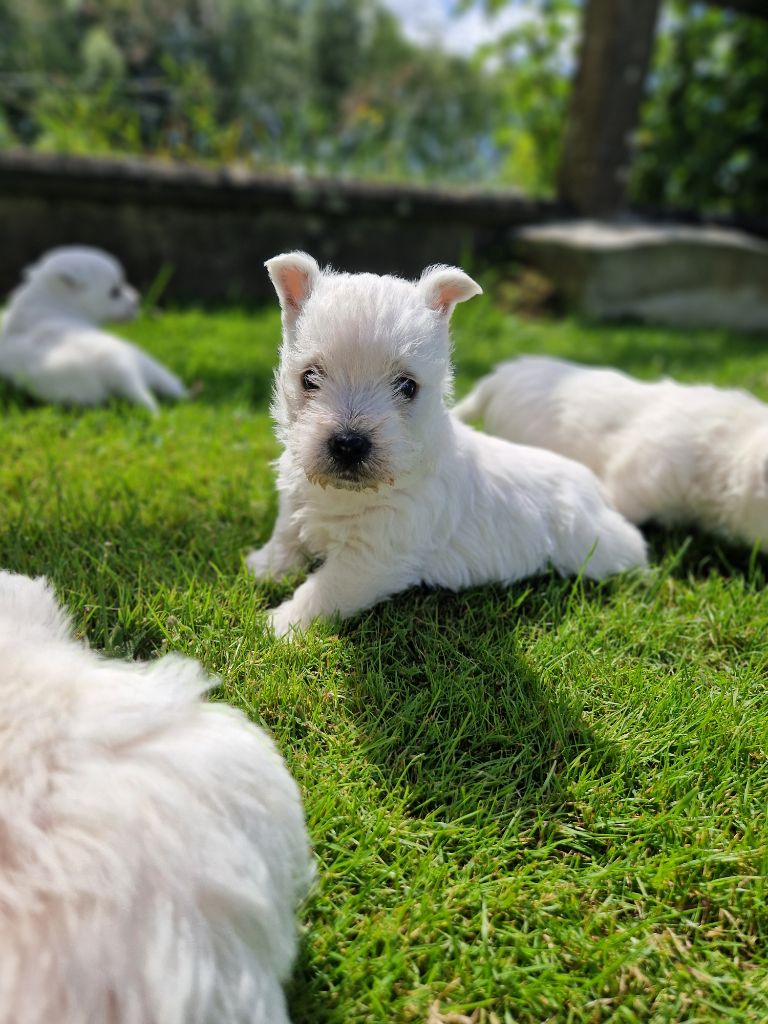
(676, 453)
(153, 845)
(50, 343)
(433, 501)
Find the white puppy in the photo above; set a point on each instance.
(50, 343)
(381, 482)
(672, 452)
(153, 845)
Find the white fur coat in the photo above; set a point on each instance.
(51, 344)
(676, 453)
(153, 846)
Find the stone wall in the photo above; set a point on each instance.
(214, 228)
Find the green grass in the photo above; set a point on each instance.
(546, 803)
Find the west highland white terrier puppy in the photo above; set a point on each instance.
(153, 845)
(50, 343)
(379, 480)
(676, 453)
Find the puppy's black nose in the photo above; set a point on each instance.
(349, 448)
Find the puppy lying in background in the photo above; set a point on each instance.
(381, 482)
(676, 453)
(50, 343)
(153, 845)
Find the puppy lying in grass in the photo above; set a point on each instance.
(676, 453)
(51, 345)
(379, 480)
(153, 845)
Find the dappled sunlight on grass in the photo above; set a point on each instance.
(546, 802)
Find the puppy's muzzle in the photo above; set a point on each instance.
(349, 449)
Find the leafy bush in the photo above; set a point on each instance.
(329, 85)
(333, 86)
(703, 141)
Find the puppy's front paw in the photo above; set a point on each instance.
(259, 563)
(287, 620)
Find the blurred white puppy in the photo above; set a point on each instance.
(672, 452)
(51, 345)
(381, 482)
(153, 845)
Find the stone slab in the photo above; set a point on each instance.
(670, 274)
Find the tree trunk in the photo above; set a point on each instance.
(616, 46)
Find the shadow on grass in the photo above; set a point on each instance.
(114, 568)
(458, 723)
(454, 712)
(210, 387)
(13, 399)
(225, 386)
(700, 555)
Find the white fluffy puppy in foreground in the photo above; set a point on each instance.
(51, 345)
(676, 453)
(379, 480)
(153, 845)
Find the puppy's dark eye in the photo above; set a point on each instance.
(114, 293)
(406, 388)
(310, 379)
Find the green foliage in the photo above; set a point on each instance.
(534, 62)
(86, 123)
(325, 85)
(328, 85)
(333, 86)
(544, 803)
(102, 60)
(7, 138)
(703, 141)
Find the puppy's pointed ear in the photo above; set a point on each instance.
(294, 275)
(443, 287)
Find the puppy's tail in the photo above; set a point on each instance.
(160, 380)
(474, 405)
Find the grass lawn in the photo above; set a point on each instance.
(546, 803)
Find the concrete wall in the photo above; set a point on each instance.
(215, 228)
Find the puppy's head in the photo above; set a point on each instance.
(365, 369)
(84, 281)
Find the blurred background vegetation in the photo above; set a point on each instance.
(340, 87)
